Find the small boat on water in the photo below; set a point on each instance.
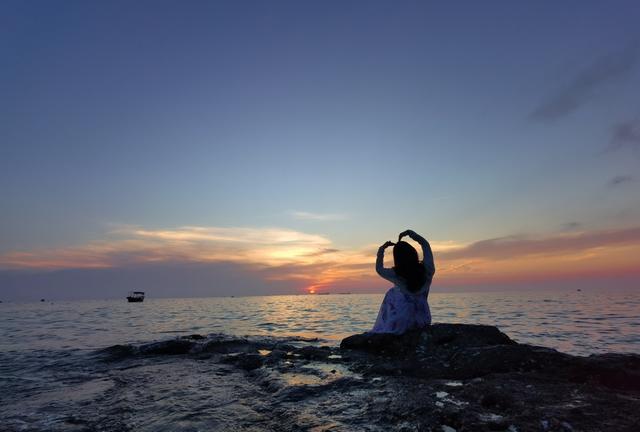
(135, 297)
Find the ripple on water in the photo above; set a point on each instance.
(538, 318)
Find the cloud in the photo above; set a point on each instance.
(308, 216)
(571, 226)
(517, 246)
(273, 254)
(618, 180)
(626, 135)
(265, 236)
(196, 260)
(133, 245)
(605, 255)
(323, 252)
(270, 253)
(577, 92)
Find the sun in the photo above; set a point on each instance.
(311, 289)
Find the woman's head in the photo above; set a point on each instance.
(408, 266)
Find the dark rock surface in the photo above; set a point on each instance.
(437, 336)
(506, 384)
(447, 377)
(464, 351)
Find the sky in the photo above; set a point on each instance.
(219, 148)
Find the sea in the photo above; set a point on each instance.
(52, 376)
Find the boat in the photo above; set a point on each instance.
(135, 297)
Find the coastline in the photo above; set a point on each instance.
(448, 377)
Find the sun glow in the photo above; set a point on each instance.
(318, 265)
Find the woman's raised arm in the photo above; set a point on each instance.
(426, 249)
(386, 273)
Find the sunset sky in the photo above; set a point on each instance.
(233, 148)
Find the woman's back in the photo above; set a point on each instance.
(405, 306)
(401, 311)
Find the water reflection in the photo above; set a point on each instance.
(574, 322)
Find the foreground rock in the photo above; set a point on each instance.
(462, 351)
(445, 378)
(503, 385)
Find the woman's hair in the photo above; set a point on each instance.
(408, 266)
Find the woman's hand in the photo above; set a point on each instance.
(387, 244)
(409, 233)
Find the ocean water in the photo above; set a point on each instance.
(577, 322)
(53, 377)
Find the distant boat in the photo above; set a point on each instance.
(135, 296)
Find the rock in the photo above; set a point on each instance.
(620, 371)
(437, 336)
(462, 351)
(245, 361)
(314, 353)
(566, 427)
(496, 399)
(494, 422)
(194, 337)
(390, 382)
(250, 361)
(465, 335)
(225, 344)
(379, 343)
(168, 347)
(118, 352)
(479, 361)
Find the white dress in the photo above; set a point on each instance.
(401, 309)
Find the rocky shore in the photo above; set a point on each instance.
(450, 377)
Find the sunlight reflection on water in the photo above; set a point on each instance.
(575, 322)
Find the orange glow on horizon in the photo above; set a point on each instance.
(278, 254)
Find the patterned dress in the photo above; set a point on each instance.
(401, 309)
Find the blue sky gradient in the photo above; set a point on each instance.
(463, 120)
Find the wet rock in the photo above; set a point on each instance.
(479, 361)
(462, 377)
(461, 351)
(566, 426)
(464, 335)
(494, 422)
(245, 361)
(314, 353)
(437, 336)
(194, 337)
(325, 427)
(382, 344)
(496, 399)
(168, 347)
(118, 352)
(224, 344)
(619, 371)
(250, 361)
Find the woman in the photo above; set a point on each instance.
(405, 306)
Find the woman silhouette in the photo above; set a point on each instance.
(405, 305)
